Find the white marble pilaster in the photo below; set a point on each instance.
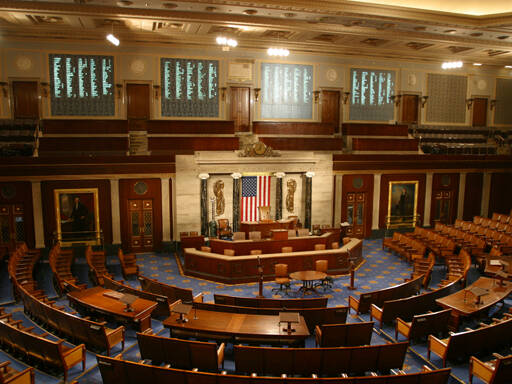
(376, 200)
(338, 196)
(166, 209)
(462, 193)
(428, 199)
(116, 215)
(486, 195)
(37, 207)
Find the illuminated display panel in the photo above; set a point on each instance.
(503, 113)
(370, 96)
(189, 87)
(82, 85)
(286, 91)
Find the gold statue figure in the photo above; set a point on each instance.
(219, 197)
(290, 195)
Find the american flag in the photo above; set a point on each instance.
(255, 193)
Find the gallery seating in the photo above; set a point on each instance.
(316, 302)
(420, 326)
(183, 354)
(9, 375)
(97, 265)
(423, 267)
(60, 263)
(330, 362)
(128, 263)
(172, 292)
(498, 371)
(486, 338)
(344, 335)
(118, 371)
(362, 305)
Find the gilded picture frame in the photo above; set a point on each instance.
(402, 204)
(77, 216)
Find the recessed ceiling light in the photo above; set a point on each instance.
(210, 9)
(124, 3)
(477, 64)
(476, 34)
(250, 12)
(503, 37)
(450, 31)
(508, 66)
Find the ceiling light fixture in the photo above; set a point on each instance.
(452, 64)
(283, 52)
(508, 66)
(114, 40)
(226, 43)
(477, 64)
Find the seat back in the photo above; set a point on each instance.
(292, 233)
(321, 266)
(319, 247)
(286, 249)
(238, 235)
(281, 270)
(502, 371)
(302, 232)
(255, 235)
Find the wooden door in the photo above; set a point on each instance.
(331, 108)
(445, 195)
(141, 217)
(443, 201)
(356, 214)
(240, 108)
(410, 108)
(138, 101)
(12, 226)
(479, 112)
(25, 99)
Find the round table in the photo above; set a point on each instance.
(308, 277)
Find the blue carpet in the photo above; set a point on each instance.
(381, 269)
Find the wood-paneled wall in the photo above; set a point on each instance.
(20, 192)
(366, 188)
(500, 199)
(303, 144)
(473, 195)
(292, 128)
(363, 129)
(84, 126)
(447, 183)
(371, 144)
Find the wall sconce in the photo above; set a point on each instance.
(119, 88)
(469, 103)
(493, 103)
(156, 88)
(5, 89)
(316, 96)
(45, 89)
(257, 94)
(396, 99)
(345, 97)
(223, 93)
(423, 101)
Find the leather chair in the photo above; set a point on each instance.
(321, 266)
(229, 252)
(292, 233)
(255, 235)
(204, 248)
(183, 234)
(223, 228)
(194, 233)
(238, 236)
(335, 245)
(319, 247)
(256, 252)
(302, 232)
(282, 278)
(286, 249)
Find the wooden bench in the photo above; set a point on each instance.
(117, 371)
(344, 335)
(9, 375)
(60, 263)
(378, 298)
(97, 265)
(485, 338)
(20, 269)
(162, 308)
(498, 371)
(52, 354)
(329, 362)
(184, 354)
(423, 325)
(172, 292)
(270, 303)
(128, 263)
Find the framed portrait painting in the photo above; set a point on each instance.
(77, 215)
(402, 203)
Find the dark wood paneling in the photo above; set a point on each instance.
(452, 188)
(86, 126)
(362, 129)
(104, 200)
(367, 188)
(82, 144)
(292, 128)
(473, 195)
(331, 108)
(138, 101)
(410, 108)
(367, 144)
(500, 200)
(25, 97)
(479, 112)
(20, 192)
(171, 227)
(384, 194)
(187, 144)
(240, 108)
(303, 144)
(154, 192)
(190, 127)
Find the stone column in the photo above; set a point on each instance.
(462, 193)
(166, 209)
(428, 199)
(114, 207)
(279, 194)
(309, 197)
(376, 201)
(204, 203)
(338, 199)
(236, 201)
(37, 205)
(486, 194)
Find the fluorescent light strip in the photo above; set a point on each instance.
(114, 40)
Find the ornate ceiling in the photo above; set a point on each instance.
(329, 27)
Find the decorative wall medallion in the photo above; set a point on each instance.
(137, 66)
(481, 84)
(140, 188)
(24, 63)
(412, 79)
(331, 74)
(8, 191)
(357, 182)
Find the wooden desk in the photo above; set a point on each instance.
(93, 300)
(265, 227)
(238, 325)
(462, 303)
(308, 277)
(192, 242)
